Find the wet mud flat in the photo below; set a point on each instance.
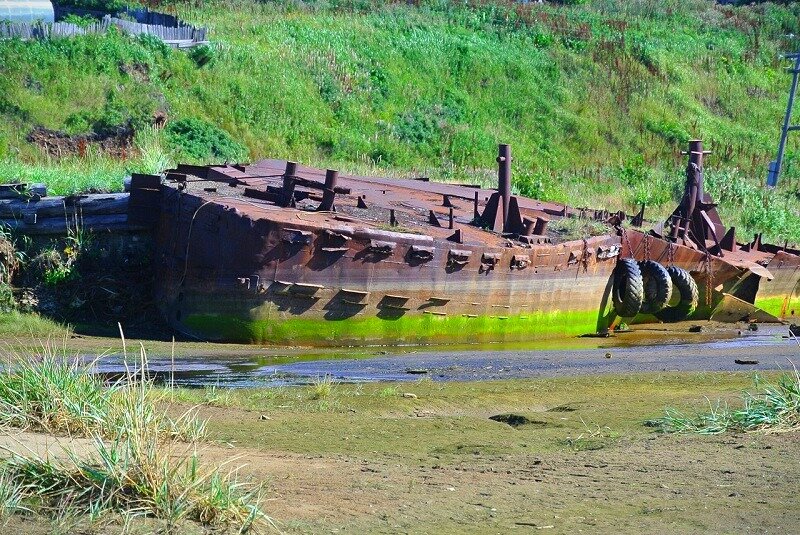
(383, 452)
(644, 350)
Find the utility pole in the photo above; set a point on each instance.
(775, 166)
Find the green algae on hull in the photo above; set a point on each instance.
(417, 329)
(780, 306)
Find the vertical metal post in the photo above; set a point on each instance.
(288, 183)
(696, 158)
(541, 226)
(504, 178)
(775, 166)
(328, 194)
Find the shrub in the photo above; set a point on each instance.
(202, 140)
(201, 55)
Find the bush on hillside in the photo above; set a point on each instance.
(110, 6)
(202, 140)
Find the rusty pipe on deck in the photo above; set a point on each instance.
(504, 179)
(288, 183)
(329, 193)
(696, 186)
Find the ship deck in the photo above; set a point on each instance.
(412, 200)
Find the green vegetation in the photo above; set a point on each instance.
(18, 325)
(564, 414)
(199, 139)
(51, 392)
(321, 388)
(774, 407)
(137, 461)
(596, 97)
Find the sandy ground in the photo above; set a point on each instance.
(681, 484)
(684, 484)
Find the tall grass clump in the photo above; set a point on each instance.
(135, 475)
(774, 407)
(49, 391)
(321, 388)
(139, 461)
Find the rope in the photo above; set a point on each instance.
(709, 279)
(189, 241)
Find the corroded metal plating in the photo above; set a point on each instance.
(279, 252)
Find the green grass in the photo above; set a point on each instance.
(321, 388)
(140, 461)
(21, 326)
(596, 99)
(54, 392)
(773, 407)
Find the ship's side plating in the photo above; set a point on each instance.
(231, 276)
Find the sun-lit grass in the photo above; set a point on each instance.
(12, 494)
(596, 99)
(771, 407)
(52, 391)
(321, 388)
(140, 461)
(29, 326)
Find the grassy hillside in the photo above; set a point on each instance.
(597, 99)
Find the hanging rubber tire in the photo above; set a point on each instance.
(683, 282)
(627, 294)
(657, 286)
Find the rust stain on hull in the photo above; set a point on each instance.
(282, 253)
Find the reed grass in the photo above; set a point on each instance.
(321, 388)
(773, 407)
(140, 462)
(53, 392)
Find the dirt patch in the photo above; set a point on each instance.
(115, 142)
(366, 463)
(136, 70)
(42, 445)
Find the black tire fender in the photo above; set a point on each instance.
(627, 293)
(683, 283)
(657, 285)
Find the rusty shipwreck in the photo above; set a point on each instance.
(275, 252)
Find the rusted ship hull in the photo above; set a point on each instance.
(767, 280)
(231, 276)
(278, 253)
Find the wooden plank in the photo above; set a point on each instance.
(100, 204)
(58, 225)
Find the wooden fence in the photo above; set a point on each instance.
(180, 36)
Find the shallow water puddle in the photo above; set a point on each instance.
(620, 354)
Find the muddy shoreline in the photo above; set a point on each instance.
(714, 349)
